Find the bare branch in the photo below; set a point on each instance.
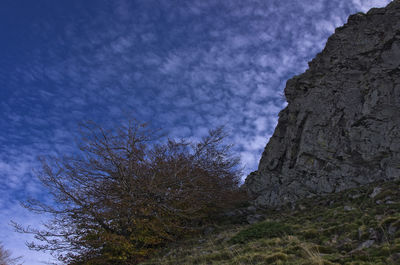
(127, 193)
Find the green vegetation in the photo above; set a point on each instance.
(348, 228)
(261, 230)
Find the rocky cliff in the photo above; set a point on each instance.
(341, 127)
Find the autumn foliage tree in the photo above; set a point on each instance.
(130, 191)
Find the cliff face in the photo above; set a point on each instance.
(341, 128)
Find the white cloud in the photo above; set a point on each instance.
(172, 64)
(261, 124)
(365, 5)
(15, 242)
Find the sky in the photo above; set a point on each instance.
(185, 66)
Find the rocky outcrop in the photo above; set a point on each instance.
(341, 127)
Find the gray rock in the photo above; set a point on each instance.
(348, 208)
(355, 196)
(375, 192)
(395, 257)
(255, 218)
(373, 234)
(251, 209)
(341, 127)
(366, 244)
(392, 230)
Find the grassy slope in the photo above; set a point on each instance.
(336, 229)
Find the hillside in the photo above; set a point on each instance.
(330, 173)
(357, 226)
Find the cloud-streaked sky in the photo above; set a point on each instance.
(186, 66)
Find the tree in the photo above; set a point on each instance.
(129, 191)
(5, 257)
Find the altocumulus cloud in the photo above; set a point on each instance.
(185, 66)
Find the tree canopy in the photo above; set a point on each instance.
(129, 191)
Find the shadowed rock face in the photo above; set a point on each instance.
(341, 128)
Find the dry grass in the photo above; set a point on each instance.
(323, 232)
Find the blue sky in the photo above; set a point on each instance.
(185, 66)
